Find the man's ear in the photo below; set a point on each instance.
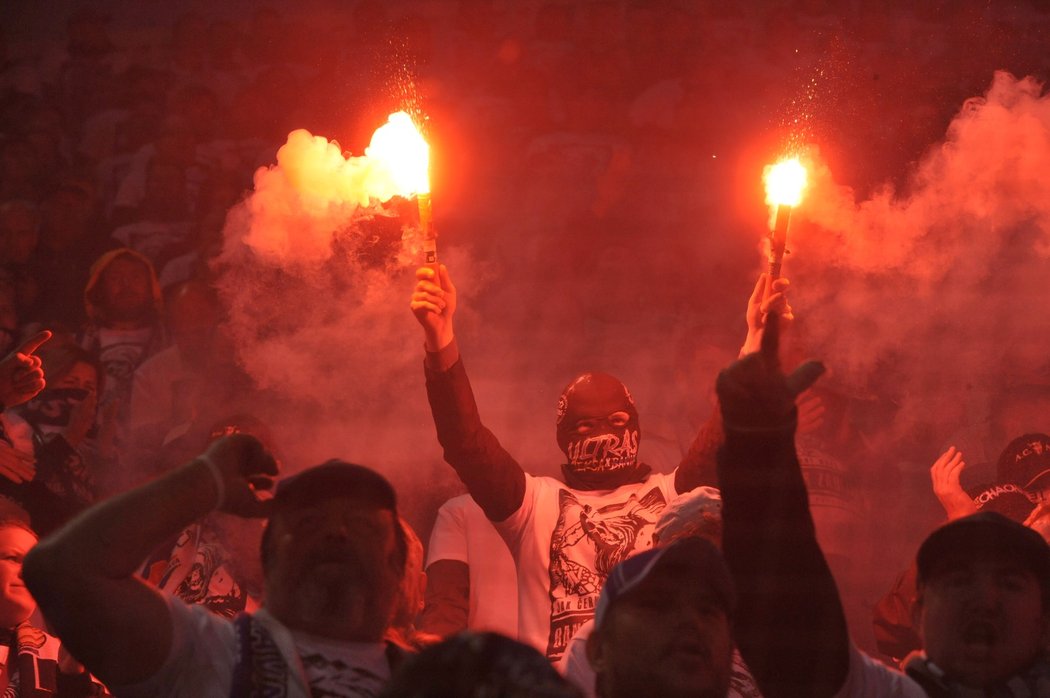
(916, 612)
(596, 651)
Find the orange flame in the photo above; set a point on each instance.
(785, 182)
(398, 148)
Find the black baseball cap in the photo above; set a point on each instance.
(1026, 461)
(985, 531)
(335, 478)
(1010, 500)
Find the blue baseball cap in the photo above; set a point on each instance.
(701, 560)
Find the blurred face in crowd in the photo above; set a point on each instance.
(81, 375)
(165, 196)
(8, 318)
(18, 233)
(666, 637)
(18, 165)
(65, 218)
(16, 605)
(335, 559)
(194, 321)
(126, 291)
(981, 616)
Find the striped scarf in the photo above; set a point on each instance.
(29, 668)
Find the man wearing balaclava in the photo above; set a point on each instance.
(565, 537)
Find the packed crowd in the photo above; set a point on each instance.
(708, 581)
(130, 452)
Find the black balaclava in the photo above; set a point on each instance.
(606, 455)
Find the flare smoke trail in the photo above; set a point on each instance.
(315, 272)
(936, 294)
(925, 303)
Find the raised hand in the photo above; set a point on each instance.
(21, 376)
(434, 303)
(754, 393)
(945, 473)
(244, 472)
(769, 296)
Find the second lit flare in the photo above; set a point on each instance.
(401, 150)
(785, 182)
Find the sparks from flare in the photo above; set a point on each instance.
(398, 147)
(785, 182)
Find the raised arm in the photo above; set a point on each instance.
(893, 615)
(790, 626)
(492, 476)
(21, 377)
(698, 467)
(83, 576)
(945, 474)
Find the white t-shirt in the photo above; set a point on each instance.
(565, 542)
(337, 669)
(165, 394)
(464, 534)
(868, 678)
(120, 352)
(204, 654)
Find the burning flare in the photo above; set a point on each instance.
(785, 182)
(398, 149)
(315, 191)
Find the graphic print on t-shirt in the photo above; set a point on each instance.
(588, 542)
(120, 360)
(334, 678)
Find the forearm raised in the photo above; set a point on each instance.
(83, 575)
(493, 477)
(790, 626)
(112, 538)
